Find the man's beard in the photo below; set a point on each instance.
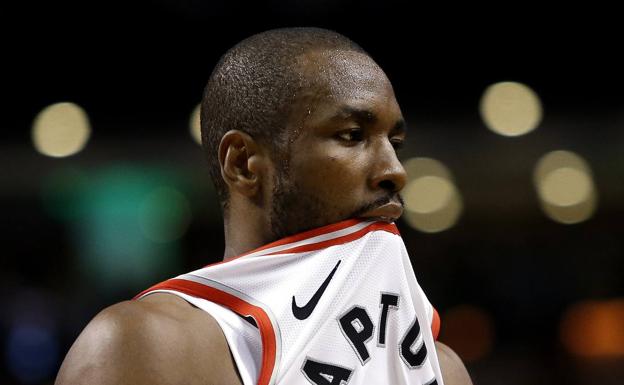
(294, 209)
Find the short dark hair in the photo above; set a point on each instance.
(253, 87)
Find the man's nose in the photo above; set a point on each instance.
(388, 173)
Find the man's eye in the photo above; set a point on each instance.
(397, 144)
(351, 135)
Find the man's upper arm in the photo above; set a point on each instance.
(453, 370)
(134, 343)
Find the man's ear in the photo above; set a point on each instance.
(242, 162)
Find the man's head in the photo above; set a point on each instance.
(302, 124)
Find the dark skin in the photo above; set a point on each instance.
(341, 163)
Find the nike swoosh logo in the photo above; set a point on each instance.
(304, 312)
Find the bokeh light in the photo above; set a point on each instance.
(510, 108)
(32, 352)
(61, 130)
(594, 329)
(194, 124)
(565, 187)
(164, 215)
(124, 221)
(469, 330)
(432, 202)
(32, 345)
(428, 194)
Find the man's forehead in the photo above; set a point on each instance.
(338, 72)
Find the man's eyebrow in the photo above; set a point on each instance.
(357, 113)
(367, 116)
(400, 127)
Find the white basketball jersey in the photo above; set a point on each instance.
(336, 305)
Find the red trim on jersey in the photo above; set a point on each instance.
(308, 234)
(435, 324)
(389, 227)
(238, 305)
(343, 239)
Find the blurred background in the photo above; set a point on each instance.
(514, 155)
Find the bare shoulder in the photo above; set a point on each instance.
(160, 339)
(453, 370)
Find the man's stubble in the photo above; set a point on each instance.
(295, 209)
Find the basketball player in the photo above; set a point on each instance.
(301, 128)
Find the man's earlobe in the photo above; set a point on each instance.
(240, 164)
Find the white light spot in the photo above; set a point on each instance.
(510, 108)
(60, 130)
(428, 194)
(432, 202)
(566, 187)
(564, 184)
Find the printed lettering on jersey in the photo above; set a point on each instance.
(336, 305)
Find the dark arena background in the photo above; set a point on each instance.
(515, 155)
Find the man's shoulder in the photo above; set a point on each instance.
(159, 319)
(159, 339)
(157, 322)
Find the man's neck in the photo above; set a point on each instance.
(245, 229)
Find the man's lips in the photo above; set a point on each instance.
(388, 212)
